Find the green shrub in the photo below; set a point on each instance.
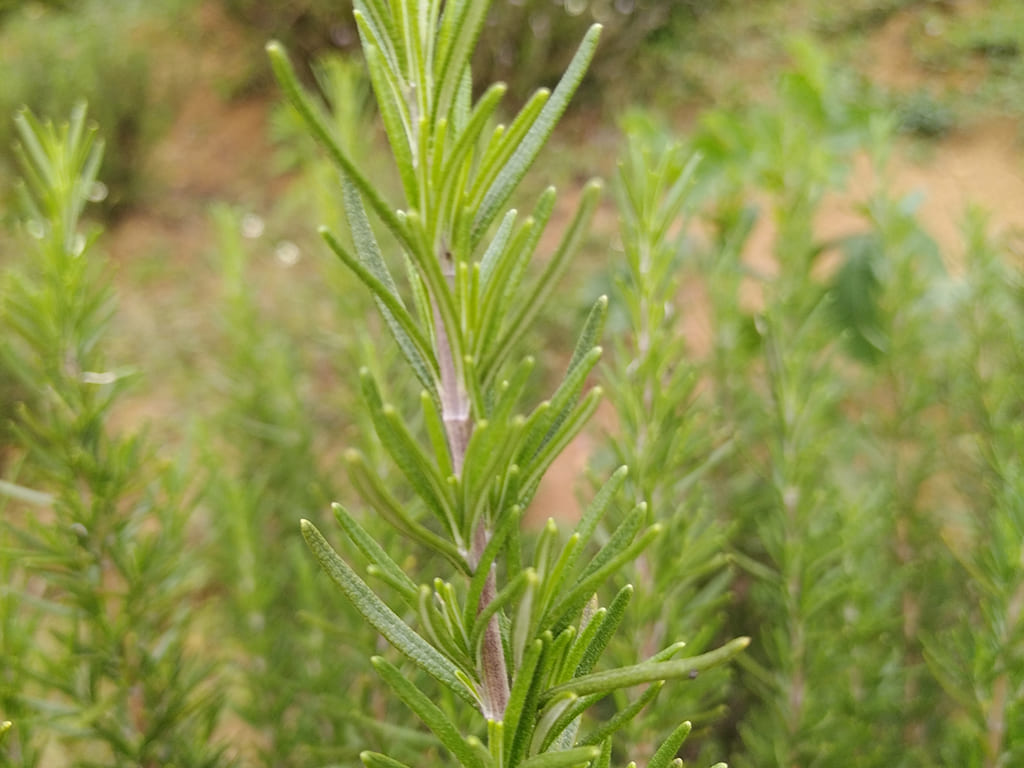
(98, 628)
(503, 641)
(95, 51)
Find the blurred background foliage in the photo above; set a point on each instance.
(816, 346)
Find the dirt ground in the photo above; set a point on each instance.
(217, 149)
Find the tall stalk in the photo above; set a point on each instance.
(512, 633)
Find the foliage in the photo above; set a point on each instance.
(664, 428)
(836, 366)
(103, 601)
(514, 662)
(54, 58)
(980, 663)
(987, 44)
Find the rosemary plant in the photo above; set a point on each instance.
(511, 631)
(665, 428)
(107, 677)
(980, 662)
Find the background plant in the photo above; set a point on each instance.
(56, 57)
(663, 426)
(101, 666)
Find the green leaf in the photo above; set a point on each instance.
(529, 306)
(457, 163)
(460, 28)
(398, 123)
(322, 132)
(504, 284)
(588, 584)
(372, 490)
(596, 510)
(603, 634)
(561, 405)
(431, 715)
(381, 617)
(414, 347)
(519, 163)
(499, 152)
(542, 733)
(537, 466)
(410, 458)
(563, 758)
(647, 672)
(624, 716)
(377, 760)
(374, 552)
(525, 689)
(856, 291)
(592, 328)
(667, 751)
(497, 247)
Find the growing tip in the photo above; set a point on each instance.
(274, 48)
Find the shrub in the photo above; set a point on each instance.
(100, 618)
(513, 663)
(54, 58)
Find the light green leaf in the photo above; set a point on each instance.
(381, 617)
(374, 552)
(562, 758)
(322, 133)
(431, 715)
(377, 760)
(624, 716)
(515, 170)
(529, 306)
(460, 28)
(604, 632)
(28, 495)
(667, 751)
(647, 672)
(415, 348)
